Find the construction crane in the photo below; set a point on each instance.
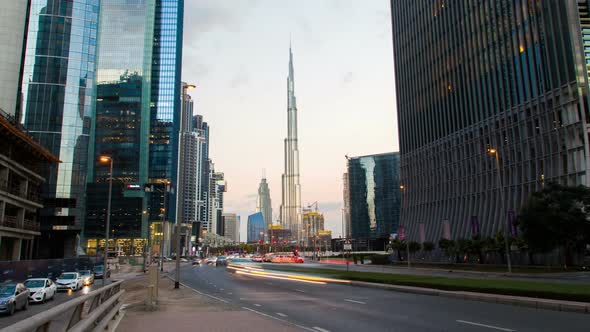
(312, 204)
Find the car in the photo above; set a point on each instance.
(221, 260)
(257, 258)
(197, 261)
(69, 281)
(12, 297)
(212, 260)
(87, 277)
(184, 260)
(41, 289)
(99, 272)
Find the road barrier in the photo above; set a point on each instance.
(90, 312)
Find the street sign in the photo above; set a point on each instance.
(347, 246)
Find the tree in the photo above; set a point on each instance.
(556, 216)
(448, 247)
(414, 246)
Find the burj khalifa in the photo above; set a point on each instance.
(291, 198)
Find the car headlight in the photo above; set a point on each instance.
(5, 301)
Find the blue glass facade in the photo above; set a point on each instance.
(255, 227)
(374, 198)
(137, 107)
(58, 87)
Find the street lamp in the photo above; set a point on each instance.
(180, 180)
(107, 159)
(501, 189)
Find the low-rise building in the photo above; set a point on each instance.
(21, 161)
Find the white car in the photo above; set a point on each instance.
(41, 289)
(69, 280)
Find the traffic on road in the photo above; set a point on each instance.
(19, 300)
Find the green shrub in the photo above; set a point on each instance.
(379, 259)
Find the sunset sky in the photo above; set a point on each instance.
(236, 52)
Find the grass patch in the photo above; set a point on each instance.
(557, 291)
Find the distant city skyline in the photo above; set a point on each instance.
(345, 92)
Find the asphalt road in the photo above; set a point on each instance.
(334, 307)
(35, 308)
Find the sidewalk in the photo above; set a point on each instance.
(184, 309)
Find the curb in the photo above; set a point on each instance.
(556, 305)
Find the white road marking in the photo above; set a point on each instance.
(320, 329)
(484, 325)
(198, 292)
(229, 293)
(300, 291)
(221, 289)
(258, 305)
(242, 298)
(279, 319)
(281, 314)
(354, 301)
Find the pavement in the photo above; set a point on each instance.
(185, 309)
(215, 299)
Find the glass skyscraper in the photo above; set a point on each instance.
(58, 88)
(480, 80)
(374, 198)
(137, 104)
(255, 227)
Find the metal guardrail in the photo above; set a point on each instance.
(90, 312)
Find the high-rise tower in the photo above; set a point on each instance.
(291, 198)
(263, 204)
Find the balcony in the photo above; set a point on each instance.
(17, 189)
(12, 222)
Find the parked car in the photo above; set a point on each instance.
(41, 289)
(13, 297)
(184, 260)
(99, 272)
(69, 280)
(87, 277)
(197, 261)
(211, 260)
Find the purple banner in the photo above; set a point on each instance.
(511, 221)
(474, 226)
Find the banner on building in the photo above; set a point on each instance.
(446, 229)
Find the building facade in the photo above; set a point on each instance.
(231, 224)
(485, 80)
(345, 207)
(313, 223)
(263, 202)
(256, 229)
(290, 212)
(137, 107)
(13, 27)
(374, 196)
(21, 162)
(58, 89)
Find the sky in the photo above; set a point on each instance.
(237, 53)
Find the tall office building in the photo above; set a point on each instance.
(58, 87)
(374, 199)
(483, 80)
(263, 203)
(256, 229)
(136, 113)
(13, 27)
(291, 196)
(202, 129)
(231, 224)
(346, 207)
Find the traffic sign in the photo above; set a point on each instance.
(347, 246)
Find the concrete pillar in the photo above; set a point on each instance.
(2, 208)
(20, 217)
(30, 251)
(16, 244)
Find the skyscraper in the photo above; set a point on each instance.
(374, 199)
(255, 227)
(483, 80)
(290, 213)
(263, 203)
(136, 114)
(231, 223)
(58, 87)
(13, 27)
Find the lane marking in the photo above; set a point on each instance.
(229, 293)
(281, 314)
(320, 329)
(484, 325)
(279, 319)
(355, 301)
(221, 289)
(258, 305)
(198, 292)
(300, 291)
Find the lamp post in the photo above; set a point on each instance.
(180, 180)
(107, 159)
(501, 189)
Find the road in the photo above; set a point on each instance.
(336, 307)
(35, 308)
